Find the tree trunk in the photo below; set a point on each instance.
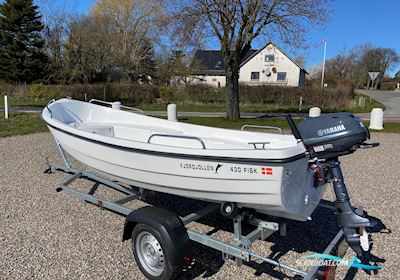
(232, 92)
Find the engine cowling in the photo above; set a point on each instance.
(333, 135)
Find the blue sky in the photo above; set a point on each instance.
(355, 22)
(352, 23)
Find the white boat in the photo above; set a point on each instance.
(267, 172)
(275, 174)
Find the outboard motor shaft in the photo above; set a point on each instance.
(352, 224)
(326, 138)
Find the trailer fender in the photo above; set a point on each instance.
(168, 224)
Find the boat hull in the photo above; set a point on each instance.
(280, 189)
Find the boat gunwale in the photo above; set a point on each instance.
(180, 155)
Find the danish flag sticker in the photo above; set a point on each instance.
(266, 170)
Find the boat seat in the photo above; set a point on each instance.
(105, 130)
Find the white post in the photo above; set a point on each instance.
(314, 112)
(116, 105)
(172, 113)
(376, 121)
(323, 66)
(361, 102)
(5, 106)
(300, 103)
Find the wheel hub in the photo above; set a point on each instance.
(150, 253)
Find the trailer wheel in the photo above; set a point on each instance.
(150, 255)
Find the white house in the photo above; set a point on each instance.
(268, 65)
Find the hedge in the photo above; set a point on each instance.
(136, 94)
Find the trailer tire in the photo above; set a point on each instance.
(149, 250)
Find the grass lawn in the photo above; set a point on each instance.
(369, 104)
(244, 108)
(263, 108)
(25, 101)
(192, 107)
(21, 123)
(184, 107)
(390, 127)
(26, 123)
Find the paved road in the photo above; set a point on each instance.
(391, 99)
(32, 109)
(23, 109)
(363, 116)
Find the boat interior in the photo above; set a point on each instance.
(136, 127)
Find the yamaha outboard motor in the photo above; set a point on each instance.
(326, 138)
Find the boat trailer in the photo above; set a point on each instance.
(172, 241)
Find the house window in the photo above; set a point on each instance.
(255, 76)
(281, 76)
(269, 58)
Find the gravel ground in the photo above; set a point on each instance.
(50, 235)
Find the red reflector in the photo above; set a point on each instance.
(187, 260)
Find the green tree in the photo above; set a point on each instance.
(131, 32)
(355, 64)
(22, 53)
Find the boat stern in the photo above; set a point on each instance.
(302, 190)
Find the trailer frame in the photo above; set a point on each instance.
(240, 250)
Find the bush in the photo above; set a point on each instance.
(271, 95)
(133, 94)
(19, 90)
(289, 97)
(36, 90)
(205, 94)
(84, 91)
(180, 96)
(129, 94)
(388, 85)
(166, 93)
(42, 91)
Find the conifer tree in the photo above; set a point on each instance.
(22, 53)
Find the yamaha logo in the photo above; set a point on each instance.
(331, 130)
